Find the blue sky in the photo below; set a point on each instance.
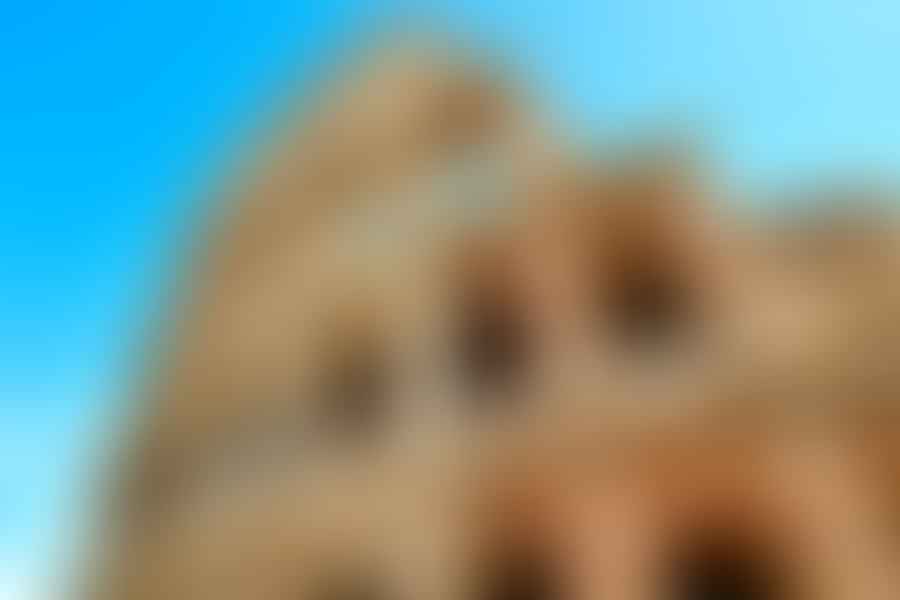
(117, 118)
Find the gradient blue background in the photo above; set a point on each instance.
(116, 117)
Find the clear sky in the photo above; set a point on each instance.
(115, 117)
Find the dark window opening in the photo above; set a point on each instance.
(493, 347)
(523, 574)
(725, 568)
(648, 306)
(355, 390)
